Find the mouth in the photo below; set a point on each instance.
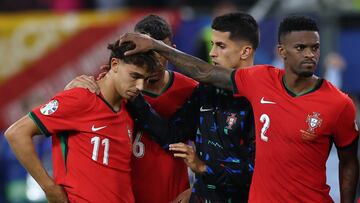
(215, 63)
(132, 94)
(307, 63)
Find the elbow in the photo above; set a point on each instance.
(204, 76)
(11, 134)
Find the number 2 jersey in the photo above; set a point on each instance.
(293, 135)
(157, 176)
(91, 146)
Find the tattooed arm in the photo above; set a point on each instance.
(185, 63)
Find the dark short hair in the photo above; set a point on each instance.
(241, 26)
(296, 23)
(155, 26)
(146, 60)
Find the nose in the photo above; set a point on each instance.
(140, 84)
(212, 53)
(309, 53)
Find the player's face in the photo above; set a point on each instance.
(129, 79)
(158, 75)
(300, 51)
(225, 52)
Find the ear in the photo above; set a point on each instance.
(281, 51)
(246, 52)
(114, 64)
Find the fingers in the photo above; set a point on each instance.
(181, 147)
(84, 81)
(182, 151)
(178, 155)
(126, 37)
(105, 67)
(89, 83)
(143, 42)
(101, 75)
(132, 51)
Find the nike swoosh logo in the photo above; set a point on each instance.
(203, 110)
(97, 129)
(263, 101)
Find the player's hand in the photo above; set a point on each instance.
(105, 69)
(188, 153)
(56, 194)
(84, 81)
(143, 43)
(184, 197)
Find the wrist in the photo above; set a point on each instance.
(158, 45)
(48, 186)
(201, 168)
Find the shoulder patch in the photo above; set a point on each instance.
(49, 108)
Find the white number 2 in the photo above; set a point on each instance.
(106, 143)
(138, 147)
(266, 120)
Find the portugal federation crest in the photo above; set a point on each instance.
(231, 120)
(49, 108)
(313, 121)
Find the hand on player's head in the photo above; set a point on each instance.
(84, 81)
(143, 42)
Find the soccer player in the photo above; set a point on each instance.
(297, 115)
(220, 125)
(157, 176)
(91, 134)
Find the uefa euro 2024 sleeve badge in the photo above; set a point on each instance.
(49, 108)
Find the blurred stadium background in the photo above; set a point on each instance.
(44, 44)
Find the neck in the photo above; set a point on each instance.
(297, 84)
(246, 63)
(109, 93)
(159, 86)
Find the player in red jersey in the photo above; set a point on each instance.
(157, 176)
(297, 115)
(92, 134)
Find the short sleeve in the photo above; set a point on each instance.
(244, 79)
(62, 112)
(346, 130)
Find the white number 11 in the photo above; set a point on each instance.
(105, 142)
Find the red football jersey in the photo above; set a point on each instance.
(293, 135)
(157, 176)
(91, 146)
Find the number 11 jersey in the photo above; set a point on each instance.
(91, 146)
